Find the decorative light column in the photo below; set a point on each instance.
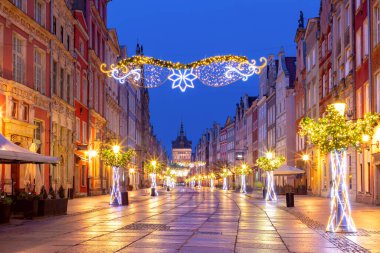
(212, 178)
(224, 174)
(153, 176)
(269, 163)
(115, 192)
(243, 171)
(116, 159)
(334, 135)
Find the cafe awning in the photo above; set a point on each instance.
(11, 153)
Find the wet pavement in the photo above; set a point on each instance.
(185, 220)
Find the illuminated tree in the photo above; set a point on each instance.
(269, 163)
(117, 159)
(243, 171)
(334, 134)
(225, 172)
(153, 168)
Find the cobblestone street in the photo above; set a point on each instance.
(191, 221)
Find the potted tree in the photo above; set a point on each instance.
(26, 204)
(117, 159)
(5, 208)
(45, 204)
(61, 202)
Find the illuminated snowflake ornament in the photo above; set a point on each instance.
(182, 79)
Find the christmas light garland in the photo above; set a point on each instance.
(217, 71)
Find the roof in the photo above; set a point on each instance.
(12, 153)
(181, 142)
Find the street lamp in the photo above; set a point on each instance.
(306, 158)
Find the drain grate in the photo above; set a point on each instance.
(146, 226)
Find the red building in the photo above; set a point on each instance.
(81, 103)
(25, 85)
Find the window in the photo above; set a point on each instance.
(38, 12)
(358, 47)
(38, 71)
(54, 25)
(68, 42)
(377, 85)
(83, 176)
(308, 63)
(347, 64)
(324, 85)
(77, 86)
(359, 103)
(55, 77)
(37, 130)
(84, 132)
(77, 129)
(68, 89)
(62, 80)
(14, 109)
(25, 112)
(19, 4)
(314, 57)
(377, 24)
(330, 80)
(348, 16)
(366, 98)
(18, 60)
(84, 90)
(365, 38)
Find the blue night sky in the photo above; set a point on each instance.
(186, 31)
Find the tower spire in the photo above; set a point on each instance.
(181, 131)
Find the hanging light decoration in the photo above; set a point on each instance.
(216, 71)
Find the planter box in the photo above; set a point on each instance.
(46, 207)
(29, 208)
(5, 213)
(49, 207)
(61, 206)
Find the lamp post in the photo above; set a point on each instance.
(305, 159)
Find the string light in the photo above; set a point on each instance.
(216, 71)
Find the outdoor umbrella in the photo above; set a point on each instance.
(286, 170)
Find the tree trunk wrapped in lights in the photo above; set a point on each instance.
(153, 168)
(269, 163)
(117, 159)
(243, 171)
(334, 134)
(224, 174)
(212, 177)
